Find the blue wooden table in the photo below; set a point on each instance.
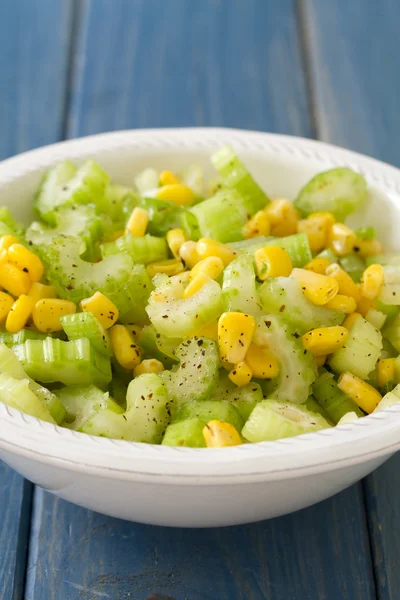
(315, 68)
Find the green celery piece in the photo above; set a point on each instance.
(284, 296)
(223, 216)
(360, 352)
(164, 216)
(145, 419)
(147, 181)
(80, 221)
(296, 372)
(314, 406)
(197, 374)
(209, 410)
(328, 255)
(64, 184)
(8, 225)
(239, 291)
(389, 399)
(117, 202)
(389, 310)
(235, 175)
(155, 345)
(10, 365)
(70, 363)
(193, 177)
(376, 318)
(390, 293)
(338, 191)
(146, 249)
(353, 265)
(187, 433)
(388, 258)
(12, 339)
(272, 420)
(85, 325)
(365, 233)
(179, 317)
(83, 402)
(118, 389)
(335, 402)
(244, 398)
(18, 394)
(123, 282)
(296, 246)
(391, 332)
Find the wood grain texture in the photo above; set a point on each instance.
(33, 46)
(204, 62)
(355, 77)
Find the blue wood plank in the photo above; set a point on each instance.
(204, 62)
(357, 93)
(34, 38)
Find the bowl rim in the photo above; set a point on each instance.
(373, 436)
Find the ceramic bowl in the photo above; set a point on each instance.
(201, 487)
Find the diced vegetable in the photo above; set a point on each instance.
(222, 217)
(85, 325)
(335, 402)
(81, 403)
(143, 250)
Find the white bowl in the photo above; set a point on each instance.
(201, 487)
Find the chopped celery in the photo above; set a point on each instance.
(8, 224)
(335, 402)
(193, 177)
(328, 255)
(339, 191)
(391, 332)
(155, 345)
(389, 310)
(239, 292)
(118, 389)
(376, 318)
(243, 398)
(283, 295)
(389, 399)
(187, 433)
(18, 394)
(80, 221)
(144, 249)
(223, 216)
(123, 282)
(390, 293)
(10, 365)
(296, 246)
(353, 265)
(389, 258)
(85, 325)
(117, 202)
(235, 175)
(64, 184)
(348, 418)
(296, 372)
(146, 180)
(73, 362)
(83, 402)
(197, 374)
(360, 352)
(145, 419)
(175, 316)
(313, 406)
(12, 339)
(251, 245)
(272, 420)
(164, 216)
(365, 233)
(209, 410)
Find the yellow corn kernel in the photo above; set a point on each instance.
(317, 265)
(326, 219)
(6, 302)
(320, 360)
(341, 239)
(365, 304)
(6, 241)
(206, 247)
(112, 237)
(103, 309)
(25, 260)
(175, 239)
(195, 284)
(325, 340)
(366, 248)
(211, 266)
(283, 217)
(125, 349)
(241, 374)
(319, 289)
(209, 331)
(372, 281)
(39, 290)
(227, 365)
(257, 225)
(168, 178)
(149, 365)
(47, 313)
(385, 371)
(188, 254)
(345, 304)
(218, 434)
(347, 287)
(349, 321)
(315, 232)
(19, 314)
(177, 193)
(272, 261)
(262, 363)
(235, 332)
(359, 391)
(137, 222)
(169, 267)
(14, 280)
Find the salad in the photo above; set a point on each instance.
(186, 313)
